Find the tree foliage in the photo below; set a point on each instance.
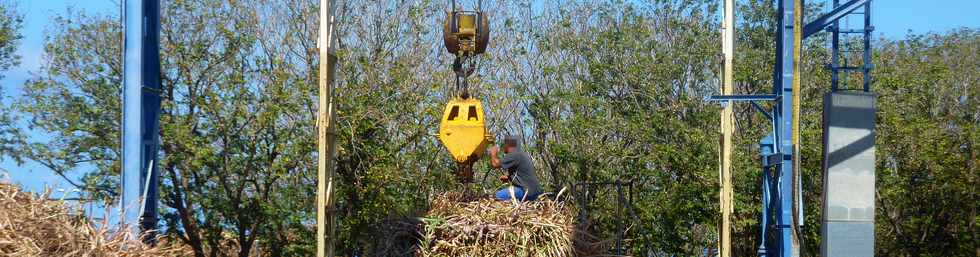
(10, 23)
(928, 136)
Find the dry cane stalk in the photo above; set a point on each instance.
(36, 226)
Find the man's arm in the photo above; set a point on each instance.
(494, 160)
(496, 163)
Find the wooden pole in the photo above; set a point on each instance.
(326, 142)
(797, 45)
(727, 130)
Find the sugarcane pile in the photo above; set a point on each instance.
(35, 226)
(485, 227)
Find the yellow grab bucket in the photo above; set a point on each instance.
(463, 130)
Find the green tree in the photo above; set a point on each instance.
(928, 136)
(624, 101)
(237, 121)
(237, 127)
(10, 23)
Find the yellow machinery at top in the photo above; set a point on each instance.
(463, 128)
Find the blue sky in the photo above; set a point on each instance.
(892, 19)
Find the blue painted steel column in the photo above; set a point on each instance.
(868, 28)
(785, 246)
(766, 150)
(141, 114)
(835, 52)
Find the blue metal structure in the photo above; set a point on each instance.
(847, 223)
(781, 239)
(780, 234)
(141, 115)
(841, 35)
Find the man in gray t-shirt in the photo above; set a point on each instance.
(520, 172)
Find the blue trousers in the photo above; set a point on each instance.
(504, 194)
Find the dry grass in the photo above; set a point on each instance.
(485, 227)
(35, 226)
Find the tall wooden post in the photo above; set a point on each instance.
(326, 142)
(727, 130)
(797, 96)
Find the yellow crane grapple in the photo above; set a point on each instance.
(464, 133)
(463, 129)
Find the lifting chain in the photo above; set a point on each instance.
(463, 66)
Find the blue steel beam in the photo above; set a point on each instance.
(141, 115)
(766, 149)
(762, 110)
(867, 47)
(782, 242)
(834, 51)
(831, 17)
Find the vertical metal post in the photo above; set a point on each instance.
(141, 114)
(727, 130)
(835, 52)
(326, 140)
(766, 148)
(788, 244)
(867, 47)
